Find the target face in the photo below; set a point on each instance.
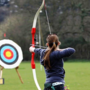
(10, 54)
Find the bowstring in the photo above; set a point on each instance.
(47, 18)
(39, 27)
(40, 33)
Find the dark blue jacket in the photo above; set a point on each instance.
(56, 73)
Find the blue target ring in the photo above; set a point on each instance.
(11, 48)
(5, 59)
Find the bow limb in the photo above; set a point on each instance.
(37, 13)
(33, 31)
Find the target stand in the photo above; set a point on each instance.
(10, 55)
(19, 74)
(1, 79)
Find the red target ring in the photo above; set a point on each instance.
(8, 54)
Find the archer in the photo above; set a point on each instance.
(52, 60)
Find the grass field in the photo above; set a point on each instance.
(77, 77)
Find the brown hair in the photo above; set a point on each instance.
(52, 41)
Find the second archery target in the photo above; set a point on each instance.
(10, 54)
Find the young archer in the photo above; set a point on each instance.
(52, 60)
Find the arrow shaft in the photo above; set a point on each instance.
(39, 46)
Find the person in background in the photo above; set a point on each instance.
(52, 60)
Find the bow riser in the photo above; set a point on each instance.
(33, 35)
(33, 42)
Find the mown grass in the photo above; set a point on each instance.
(77, 77)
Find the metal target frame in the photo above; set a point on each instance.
(10, 47)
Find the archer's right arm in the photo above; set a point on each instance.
(66, 52)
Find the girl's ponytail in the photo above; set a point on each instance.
(53, 42)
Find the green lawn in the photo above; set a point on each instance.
(77, 77)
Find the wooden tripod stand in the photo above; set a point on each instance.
(2, 80)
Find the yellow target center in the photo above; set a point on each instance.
(8, 54)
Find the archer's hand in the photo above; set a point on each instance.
(31, 49)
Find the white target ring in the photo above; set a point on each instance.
(10, 54)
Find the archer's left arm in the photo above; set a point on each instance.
(36, 50)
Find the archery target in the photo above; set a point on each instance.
(10, 54)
